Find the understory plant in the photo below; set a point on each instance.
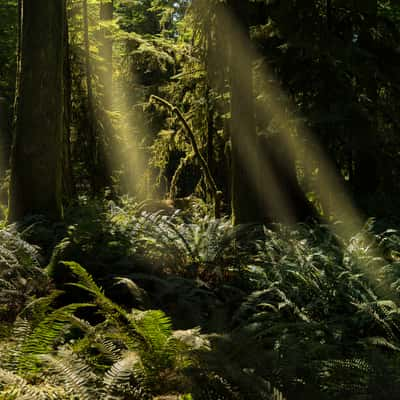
(21, 278)
(327, 312)
(284, 312)
(119, 354)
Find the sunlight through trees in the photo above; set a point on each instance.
(199, 199)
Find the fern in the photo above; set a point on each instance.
(173, 243)
(44, 336)
(21, 331)
(120, 375)
(76, 375)
(110, 309)
(147, 334)
(20, 276)
(309, 318)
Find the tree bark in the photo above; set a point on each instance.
(265, 187)
(68, 184)
(36, 170)
(244, 148)
(106, 47)
(105, 139)
(92, 148)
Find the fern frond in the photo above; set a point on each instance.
(73, 372)
(380, 342)
(86, 281)
(156, 328)
(121, 373)
(21, 331)
(110, 309)
(43, 337)
(108, 348)
(38, 308)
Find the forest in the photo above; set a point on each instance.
(199, 199)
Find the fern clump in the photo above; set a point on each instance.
(321, 306)
(21, 278)
(289, 312)
(128, 354)
(207, 248)
(120, 234)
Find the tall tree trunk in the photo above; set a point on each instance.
(92, 148)
(68, 184)
(17, 75)
(106, 80)
(36, 171)
(244, 148)
(106, 48)
(265, 187)
(284, 200)
(216, 66)
(210, 82)
(18, 49)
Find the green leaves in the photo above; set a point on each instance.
(44, 336)
(140, 344)
(309, 316)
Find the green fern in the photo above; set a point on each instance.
(44, 336)
(21, 279)
(76, 375)
(119, 377)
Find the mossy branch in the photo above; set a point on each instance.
(216, 194)
(174, 181)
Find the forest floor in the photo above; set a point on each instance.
(118, 303)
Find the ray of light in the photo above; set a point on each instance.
(127, 152)
(298, 142)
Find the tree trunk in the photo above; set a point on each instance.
(217, 65)
(265, 187)
(244, 149)
(36, 170)
(285, 202)
(210, 129)
(92, 148)
(68, 184)
(106, 80)
(106, 47)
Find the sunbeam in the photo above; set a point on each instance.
(296, 142)
(127, 151)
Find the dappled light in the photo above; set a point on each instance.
(199, 200)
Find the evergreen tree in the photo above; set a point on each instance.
(36, 178)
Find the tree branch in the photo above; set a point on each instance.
(216, 194)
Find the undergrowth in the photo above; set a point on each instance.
(247, 312)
